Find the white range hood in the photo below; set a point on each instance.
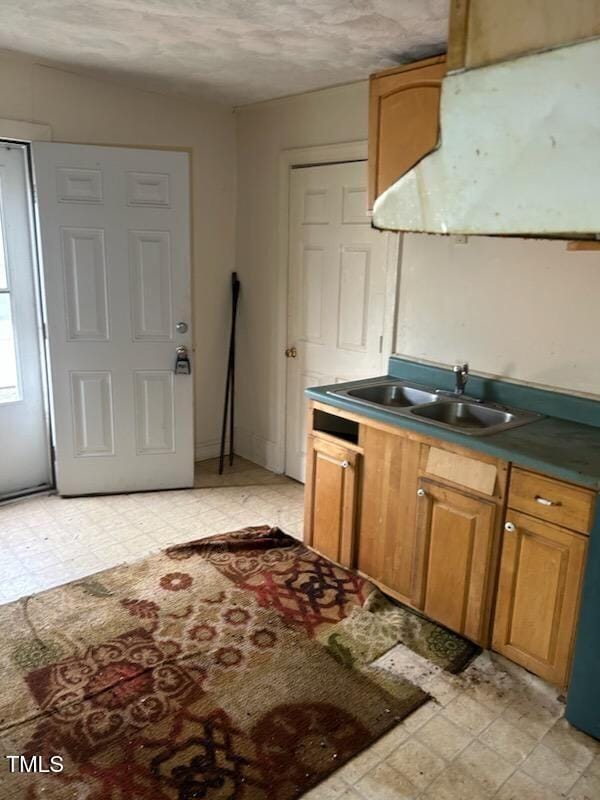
(519, 152)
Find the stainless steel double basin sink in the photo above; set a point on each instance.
(454, 412)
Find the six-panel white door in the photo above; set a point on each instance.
(337, 290)
(115, 236)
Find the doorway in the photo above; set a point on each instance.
(340, 288)
(25, 464)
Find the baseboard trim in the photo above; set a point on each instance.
(256, 448)
(205, 450)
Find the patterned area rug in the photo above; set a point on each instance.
(239, 666)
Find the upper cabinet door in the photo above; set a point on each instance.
(115, 236)
(404, 112)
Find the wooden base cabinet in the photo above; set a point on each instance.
(541, 571)
(456, 554)
(330, 510)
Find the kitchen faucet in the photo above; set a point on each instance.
(461, 376)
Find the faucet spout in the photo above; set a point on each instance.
(461, 375)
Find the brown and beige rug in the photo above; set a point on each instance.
(239, 666)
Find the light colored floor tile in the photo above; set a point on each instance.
(455, 784)
(550, 769)
(484, 765)
(571, 744)
(390, 741)
(594, 767)
(417, 763)
(508, 740)
(469, 714)
(330, 789)
(358, 767)
(443, 737)
(384, 783)
(421, 715)
(532, 715)
(586, 788)
(521, 787)
(351, 794)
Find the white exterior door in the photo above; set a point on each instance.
(24, 436)
(115, 238)
(338, 268)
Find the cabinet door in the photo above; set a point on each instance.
(541, 569)
(404, 111)
(386, 528)
(331, 499)
(455, 555)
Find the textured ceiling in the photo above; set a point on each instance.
(235, 51)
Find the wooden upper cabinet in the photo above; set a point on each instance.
(386, 527)
(404, 114)
(457, 547)
(541, 571)
(330, 506)
(484, 31)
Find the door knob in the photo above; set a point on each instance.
(291, 352)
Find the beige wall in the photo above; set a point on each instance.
(88, 111)
(523, 309)
(263, 131)
(520, 308)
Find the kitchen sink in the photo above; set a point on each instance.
(458, 413)
(470, 417)
(393, 395)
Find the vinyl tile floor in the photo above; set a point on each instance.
(494, 731)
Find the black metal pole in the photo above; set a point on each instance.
(236, 294)
(229, 384)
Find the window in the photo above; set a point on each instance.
(9, 388)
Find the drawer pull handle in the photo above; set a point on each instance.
(545, 502)
(421, 492)
(510, 527)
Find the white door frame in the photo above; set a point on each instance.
(313, 156)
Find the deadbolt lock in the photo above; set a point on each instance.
(182, 361)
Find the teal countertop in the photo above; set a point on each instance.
(557, 446)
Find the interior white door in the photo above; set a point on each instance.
(115, 240)
(24, 435)
(337, 290)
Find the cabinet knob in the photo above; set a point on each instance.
(510, 527)
(421, 492)
(345, 464)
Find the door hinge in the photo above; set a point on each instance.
(44, 331)
(381, 344)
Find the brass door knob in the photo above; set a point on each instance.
(291, 352)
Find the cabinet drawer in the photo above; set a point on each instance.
(551, 500)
